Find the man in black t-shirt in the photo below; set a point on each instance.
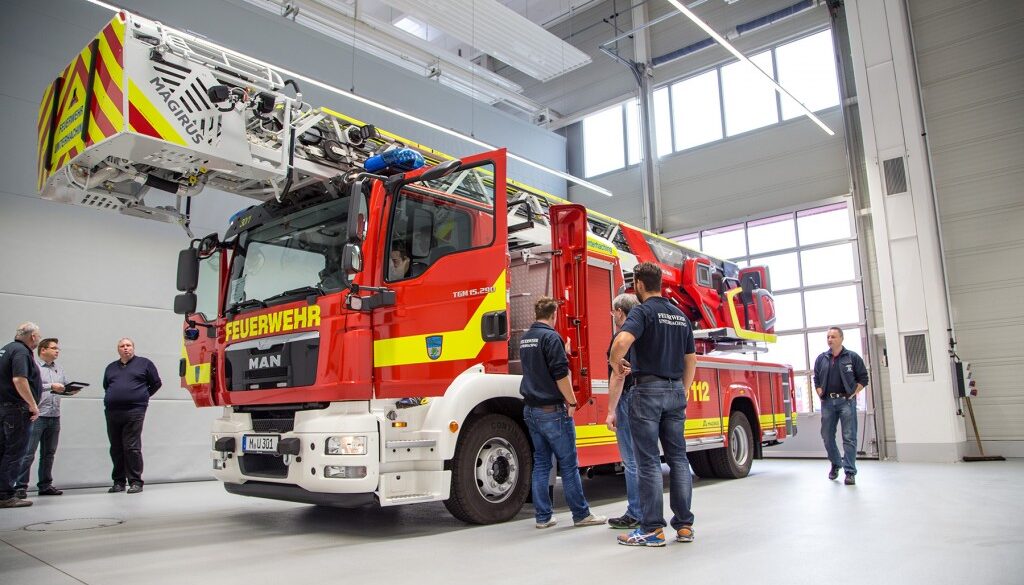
(664, 362)
(20, 389)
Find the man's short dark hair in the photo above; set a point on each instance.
(650, 274)
(46, 343)
(834, 328)
(401, 247)
(545, 308)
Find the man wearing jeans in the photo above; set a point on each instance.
(548, 410)
(839, 375)
(664, 362)
(618, 420)
(46, 428)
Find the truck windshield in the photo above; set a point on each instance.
(294, 256)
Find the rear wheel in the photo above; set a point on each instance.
(734, 461)
(490, 471)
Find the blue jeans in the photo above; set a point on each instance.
(44, 435)
(840, 410)
(14, 428)
(554, 433)
(658, 411)
(625, 439)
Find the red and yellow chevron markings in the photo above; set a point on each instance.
(144, 118)
(102, 62)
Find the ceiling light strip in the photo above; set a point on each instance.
(728, 46)
(382, 107)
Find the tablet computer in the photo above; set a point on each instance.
(72, 388)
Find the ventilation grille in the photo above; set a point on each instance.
(95, 200)
(895, 176)
(917, 353)
(171, 158)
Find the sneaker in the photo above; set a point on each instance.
(15, 503)
(850, 479)
(590, 521)
(834, 472)
(639, 538)
(50, 491)
(117, 487)
(624, 521)
(547, 524)
(685, 534)
(135, 488)
(21, 494)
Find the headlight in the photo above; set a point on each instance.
(344, 472)
(346, 445)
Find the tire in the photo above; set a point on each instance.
(490, 471)
(734, 461)
(701, 464)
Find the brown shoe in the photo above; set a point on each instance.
(15, 503)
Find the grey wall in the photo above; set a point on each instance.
(90, 277)
(971, 64)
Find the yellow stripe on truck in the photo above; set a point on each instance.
(461, 344)
(195, 373)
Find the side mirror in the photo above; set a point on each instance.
(440, 170)
(185, 303)
(351, 259)
(188, 269)
(356, 211)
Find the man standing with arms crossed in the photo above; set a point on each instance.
(46, 428)
(618, 419)
(663, 365)
(548, 410)
(839, 375)
(20, 387)
(128, 383)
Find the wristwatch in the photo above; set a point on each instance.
(571, 404)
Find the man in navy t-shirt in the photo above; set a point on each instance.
(664, 362)
(548, 412)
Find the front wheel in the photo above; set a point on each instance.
(734, 461)
(490, 471)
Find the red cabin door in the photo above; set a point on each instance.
(443, 251)
(569, 273)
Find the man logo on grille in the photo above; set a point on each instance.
(434, 343)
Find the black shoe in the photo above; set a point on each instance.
(21, 494)
(624, 521)
(135, 488)
(50, 491)
(834, 472)
(117, 487)
(850, 479)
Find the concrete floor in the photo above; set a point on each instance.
(786, 523)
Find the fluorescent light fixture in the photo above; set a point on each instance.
(728, 47)
(499, 31)
(387, 109)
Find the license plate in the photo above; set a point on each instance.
(260, 443)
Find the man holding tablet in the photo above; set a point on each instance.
(45, 429)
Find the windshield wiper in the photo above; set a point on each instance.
(302, 290)
(247, 304)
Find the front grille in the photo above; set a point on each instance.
(273, 425)
(263, 465)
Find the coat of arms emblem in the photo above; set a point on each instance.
(434, 343)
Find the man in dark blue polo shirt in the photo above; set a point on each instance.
(127, 383)
(664, 362)
(839, 375)
(548, 410)
(20, 389)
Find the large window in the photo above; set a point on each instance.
(811, 255)
(724, 101)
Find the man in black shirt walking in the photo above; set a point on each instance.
(839, 375)
(664, 362)
(127, 383)
(20, 389)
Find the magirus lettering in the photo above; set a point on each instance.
(179, 113)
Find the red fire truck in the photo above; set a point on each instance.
(359, 329)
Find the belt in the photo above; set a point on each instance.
(648, 378)
(550, 407)
(837, 395)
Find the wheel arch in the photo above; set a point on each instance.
(473, 394)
